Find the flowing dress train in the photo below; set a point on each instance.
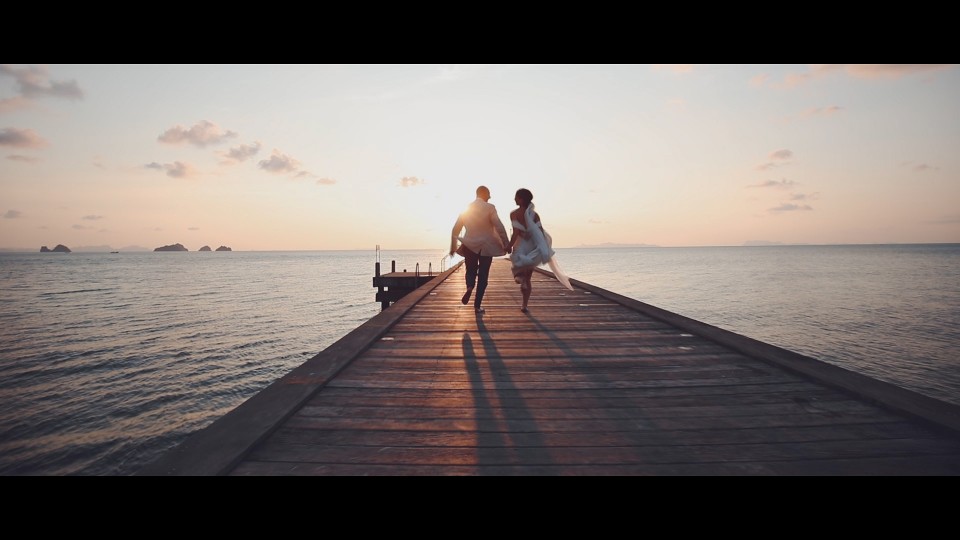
(535, 248)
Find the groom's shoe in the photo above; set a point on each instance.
(466, 297)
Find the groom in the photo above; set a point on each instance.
(485, 239)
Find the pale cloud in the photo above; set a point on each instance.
(777, 157)
(804, 196)
(81, 227)
(675, 68)
(876, 71)
(92, 218)
(595, 222)
(919, 167)
(782, 184)
(17, 103)
(13, 214)
(790, 207)
(822, 111)
(21, 138)
(279, 163)
(792, 79)
(177, 169)
(34, 82)
(858, 71)
(766, 166)
(411, 181)
(759, 80)
(241, 153)
(23, 159)
(201, 134)
(193, 228)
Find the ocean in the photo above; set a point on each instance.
(108, 360)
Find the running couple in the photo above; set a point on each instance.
(529, 247)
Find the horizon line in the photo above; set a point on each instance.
(582, 246)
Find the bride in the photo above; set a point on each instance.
(532, 246)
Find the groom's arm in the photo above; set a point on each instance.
(457, 227)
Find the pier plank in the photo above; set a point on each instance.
(330, 437)
(890, 466)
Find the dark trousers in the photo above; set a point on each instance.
(478, 266)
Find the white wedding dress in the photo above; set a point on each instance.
(535, 248)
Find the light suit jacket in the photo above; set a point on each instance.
(485, 233)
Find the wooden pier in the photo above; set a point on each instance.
(587, 383)
(393, 286)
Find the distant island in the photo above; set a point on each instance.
(59, 249)
(613, 245)
(179, 247)
(174, 247)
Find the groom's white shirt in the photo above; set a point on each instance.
(485, 233)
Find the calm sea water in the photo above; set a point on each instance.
(108, 360)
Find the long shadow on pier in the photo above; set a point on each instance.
(603, 397)
(507, 431)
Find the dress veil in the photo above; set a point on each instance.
(543, 252)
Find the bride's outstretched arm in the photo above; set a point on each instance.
(514, 237)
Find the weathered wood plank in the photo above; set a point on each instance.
(892, 430)
(547, 376)
(495, 386)
(599, 367)
(850, 449)
(467, 336)
(381, 397)
(587, 427)
(828, 408)
(891, 466)
(666, 359)
(593, 393)
(583, 354)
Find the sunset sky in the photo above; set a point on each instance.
(273, 157)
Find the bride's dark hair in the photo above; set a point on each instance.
(525, 195)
